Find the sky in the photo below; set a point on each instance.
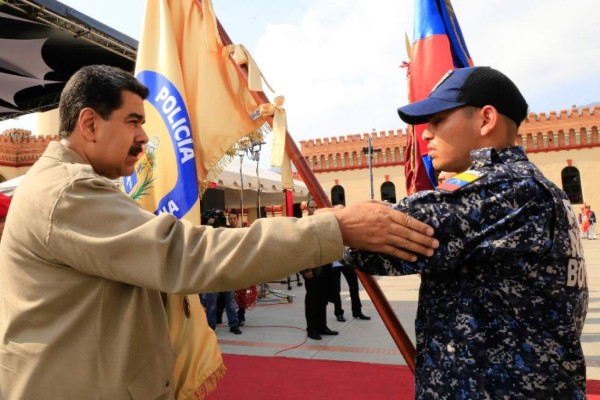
(337, 62)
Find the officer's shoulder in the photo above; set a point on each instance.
(461, 180)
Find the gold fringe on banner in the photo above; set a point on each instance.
(209, 384)
(244, 143)
(192, 337)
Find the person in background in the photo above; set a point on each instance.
(503, 301)
(233, 218)
(210, 302)
(584, 221)
(314, 305)
(592, 217)
(317, 283)
(340, 268)
(234, 222)
(587, 222)
(214, 315)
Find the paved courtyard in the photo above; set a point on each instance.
(276, 327)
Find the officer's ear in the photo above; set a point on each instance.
(489, 120)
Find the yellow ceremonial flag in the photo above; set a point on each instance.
(197, 109)
(199, 106)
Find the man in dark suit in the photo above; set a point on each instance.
(317, 283)
(352, 279)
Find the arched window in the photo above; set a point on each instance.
(397, 156)
(388, 192)
(563, 140)
(571, 183)
(519, 140)
(594, 134)
(583, 136)
(338, 195)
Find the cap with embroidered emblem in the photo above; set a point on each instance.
(472, 86)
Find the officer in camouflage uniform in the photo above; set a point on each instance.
(503, 301)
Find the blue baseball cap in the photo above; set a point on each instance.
(472, 86)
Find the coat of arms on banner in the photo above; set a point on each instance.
(139, 184)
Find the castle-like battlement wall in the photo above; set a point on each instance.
(554, 131)
(19, 148)
(543, 132)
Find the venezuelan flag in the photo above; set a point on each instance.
(438, 46)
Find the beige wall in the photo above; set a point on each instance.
(587, 161)
(356, 182)
(47, 122)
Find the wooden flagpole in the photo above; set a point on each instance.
(370, 284)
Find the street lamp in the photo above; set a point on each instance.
(369, 150)
(253, 153)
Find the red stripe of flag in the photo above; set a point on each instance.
(438, 47)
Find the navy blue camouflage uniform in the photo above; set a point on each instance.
(503, 300)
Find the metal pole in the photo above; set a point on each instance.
(370, 156)
(241, 191)
(258, 191)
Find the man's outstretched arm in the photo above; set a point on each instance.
(374, 226)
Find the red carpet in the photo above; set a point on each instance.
(593, 390)
(253, 377)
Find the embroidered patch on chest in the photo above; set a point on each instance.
(461, 180)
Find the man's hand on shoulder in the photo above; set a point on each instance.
(375, 226)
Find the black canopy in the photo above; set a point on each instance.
(42, 43)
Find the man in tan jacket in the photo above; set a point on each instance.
(82, 265)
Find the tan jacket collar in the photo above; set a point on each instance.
(59, 151)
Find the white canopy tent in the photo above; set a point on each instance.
(230, 181)
(271, 192)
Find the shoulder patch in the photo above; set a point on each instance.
(461, 180)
